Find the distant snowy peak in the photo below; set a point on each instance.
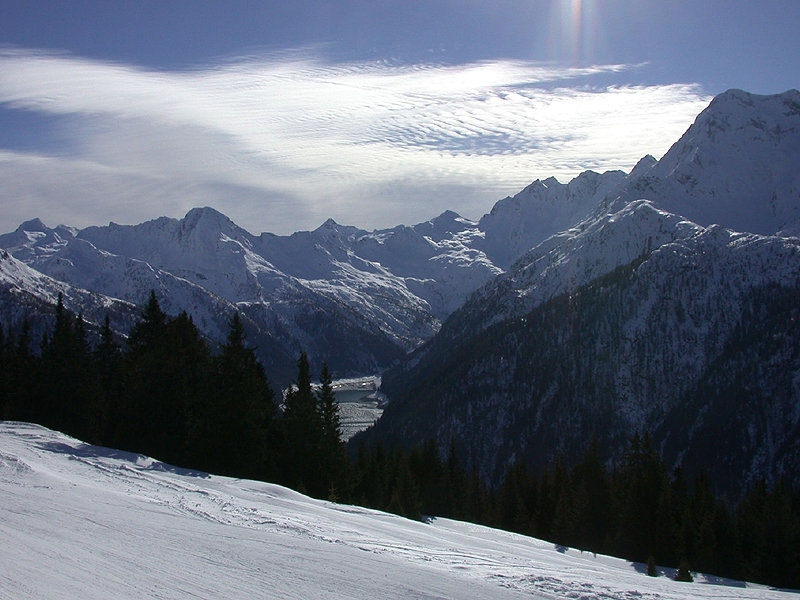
(201, 228)
(165, 241)
(738, 165)
(330, 229)
(445, 226)
(33, 238)
(542, 209)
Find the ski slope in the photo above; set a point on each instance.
(79, 521)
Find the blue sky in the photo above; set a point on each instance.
(374, 113)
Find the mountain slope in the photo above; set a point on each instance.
(81, 521)
(633, 350)
(638, 319)
(26, 293)
(738, 165)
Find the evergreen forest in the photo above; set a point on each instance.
(166, 392)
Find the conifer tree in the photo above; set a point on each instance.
(593, 502)
(371, 485)
(88, 402)
(652, 570)
(683, 573)
(455, 483)
(23, 376)
(331, 448)
(188, 378)
(329, 410)
(238, 422)
(108, 359)
(166, 382)
(404, 499)
(303, 431)
(57, 347)
(514, 513)
(5, 392)
(68, 389)
(428, 470)
(641, 482)
(144, 380)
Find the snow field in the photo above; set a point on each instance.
(78, 521)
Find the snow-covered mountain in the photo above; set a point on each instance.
(26, 293)
(637, 319)
(738, 165)
(515, 225)
(361, 300)
(358, 300)
(81, 521)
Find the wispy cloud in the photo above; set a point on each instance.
(282, 142)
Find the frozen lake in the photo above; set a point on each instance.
(358, 405)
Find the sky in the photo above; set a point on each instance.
(371, 112)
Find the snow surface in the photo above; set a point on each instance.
(79, 521)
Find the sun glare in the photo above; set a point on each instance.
(573, 31)
(576, 29)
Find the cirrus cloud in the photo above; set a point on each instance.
(281, 142)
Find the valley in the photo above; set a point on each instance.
(659, 301)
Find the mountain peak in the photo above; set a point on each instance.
(736, 165)
(450, 221)
(448, 215)
(741, 109)
(747, 99)
(34, 225)
(330, 229)
(645, 164)
(208, 222)
(205, 213)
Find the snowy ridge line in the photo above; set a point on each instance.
(375, 296)
(104, 523)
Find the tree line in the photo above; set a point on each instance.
(166, 393)
(634, 509)
(163, 392)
